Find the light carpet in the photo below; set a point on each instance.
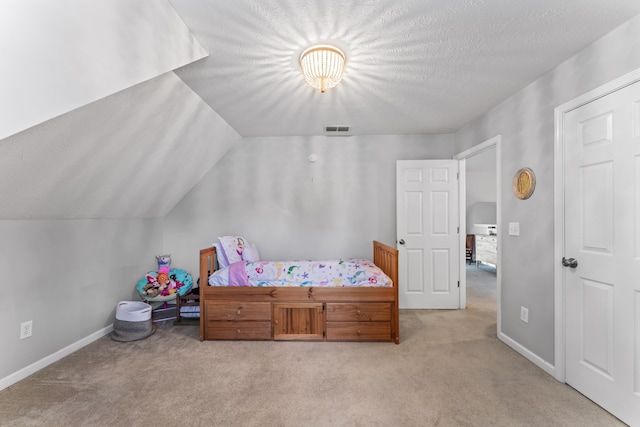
(449, 370)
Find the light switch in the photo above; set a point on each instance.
(514, 229)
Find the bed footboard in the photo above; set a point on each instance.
(386, 258)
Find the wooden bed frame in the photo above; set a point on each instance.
(301, 313)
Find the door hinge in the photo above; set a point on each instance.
(458, 175)
(458, 283)
(458, 230)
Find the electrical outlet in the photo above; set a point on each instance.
(26, 328)
(524, 314)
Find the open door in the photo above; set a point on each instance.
(428, 233)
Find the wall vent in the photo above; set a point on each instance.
(337, 130)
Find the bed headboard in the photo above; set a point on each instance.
(207, 264)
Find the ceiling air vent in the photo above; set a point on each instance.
(337, 130)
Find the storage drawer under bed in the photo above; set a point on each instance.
(356, 331)
(238, 330)
(235, 320)
(240, 311)
(359, 312)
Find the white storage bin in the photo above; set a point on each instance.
(133, 311)
(133, 321)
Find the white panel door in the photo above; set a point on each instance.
(602, 233)
(427, 230)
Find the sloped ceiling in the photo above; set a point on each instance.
(134, 154)
(413, 66)
(60, 55)
(118, 135)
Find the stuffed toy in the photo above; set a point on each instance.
(162, 283)
(163, 275)
(152, 286)
(163, 261)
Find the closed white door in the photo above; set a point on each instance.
(427, 232)
(602, 238)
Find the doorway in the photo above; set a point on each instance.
(480, 167)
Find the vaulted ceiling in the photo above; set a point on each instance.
(116, 109)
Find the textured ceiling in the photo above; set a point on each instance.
(413, 66)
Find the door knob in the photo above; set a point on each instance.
(401, 241)
(571, 262)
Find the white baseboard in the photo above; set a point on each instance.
(528, 354)
(52, 358)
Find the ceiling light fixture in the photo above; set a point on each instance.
(322, 66)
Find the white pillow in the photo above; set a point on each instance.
(222, 260)
(232, 247)
(250, 253)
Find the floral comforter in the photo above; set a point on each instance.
(330, 273)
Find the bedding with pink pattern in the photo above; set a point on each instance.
(330, 273)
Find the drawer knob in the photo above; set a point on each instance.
(358, 312)
(237, 331)
(238, 312)
(275, 321)
(358, 332)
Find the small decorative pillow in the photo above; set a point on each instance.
(232, 246)
(250, 253)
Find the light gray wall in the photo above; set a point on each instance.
(480, 198)
(481, 213)
(67, 277)
(526, 123)
(267, 190)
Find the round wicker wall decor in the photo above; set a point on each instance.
(524, 183)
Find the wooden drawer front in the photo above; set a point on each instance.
(367, 312)
(238, 311)
(238, 330)
(358, 331)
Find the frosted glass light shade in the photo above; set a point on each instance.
(322, 66)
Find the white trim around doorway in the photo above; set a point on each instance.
(462, 156)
